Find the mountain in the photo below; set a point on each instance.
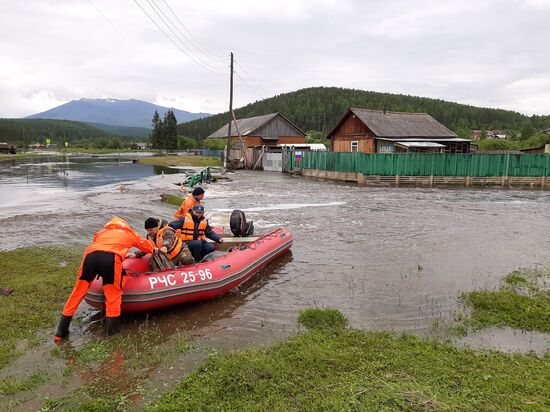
(320, 108)
(27, 131)
(125, 131)
(133, 113)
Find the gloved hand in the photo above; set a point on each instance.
(220, 241)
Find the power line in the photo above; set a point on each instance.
(251, 78)
(157, 9)
(249, 86)
(121, 33)
(171, 40)
(208, 51)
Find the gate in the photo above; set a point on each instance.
(273, 162)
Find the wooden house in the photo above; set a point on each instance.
(268, 130)
(381, 131)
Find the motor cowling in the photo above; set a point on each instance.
(239, 226)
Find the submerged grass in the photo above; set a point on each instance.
(172, 199)
(41, 279)
(14, 385)
(196, 161)
(346, 369)
(115, 369)
(522, 302)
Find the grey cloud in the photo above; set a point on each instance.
(488, 53)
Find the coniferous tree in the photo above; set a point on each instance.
(156, 135)
(170, 131)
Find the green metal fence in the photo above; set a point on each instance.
(424, 164)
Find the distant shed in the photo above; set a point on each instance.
(268, 130)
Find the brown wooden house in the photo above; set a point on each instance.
(268, 130)
(381, 131)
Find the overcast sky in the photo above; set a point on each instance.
(482, 52)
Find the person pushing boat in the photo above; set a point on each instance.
(104, 258)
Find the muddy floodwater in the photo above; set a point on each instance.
(389, 258)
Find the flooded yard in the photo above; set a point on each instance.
(391, 259)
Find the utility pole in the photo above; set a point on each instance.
(230, 106)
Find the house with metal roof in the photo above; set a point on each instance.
(269, 130)
(381, 131)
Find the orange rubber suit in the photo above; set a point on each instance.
(115, 239)
(186, 206)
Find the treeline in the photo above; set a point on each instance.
(320, 108)
(28, 131)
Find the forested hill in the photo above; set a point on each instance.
(28, 131)
(320, 108)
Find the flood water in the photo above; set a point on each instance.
(391, 259)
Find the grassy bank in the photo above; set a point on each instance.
(99, 151)
(332, 367)
(41, 280)
(17, 156)
(195, 161)
(521, 302)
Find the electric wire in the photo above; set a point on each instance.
(251, 78)
(122, 34)
(249, 86)
(172, 41)
(219, 58)
(165, 19)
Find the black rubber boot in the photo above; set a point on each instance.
(63, 328)
(112, 325)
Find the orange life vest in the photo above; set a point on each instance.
(174, 250)
(186, 206)
(188, 229)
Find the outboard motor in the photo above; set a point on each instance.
(239, 226)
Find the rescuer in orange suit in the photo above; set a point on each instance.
(194, 199)
(104, 258)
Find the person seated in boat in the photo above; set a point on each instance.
(104, 258)
(163, 237)
(194, 199)
(194, 229)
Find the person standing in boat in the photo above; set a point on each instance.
(194, 199)
(194, 229)
(104, 258)
(162, 236)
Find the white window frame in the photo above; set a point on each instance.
(356, 143)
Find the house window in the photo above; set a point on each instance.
(386, 148)
(354, 146)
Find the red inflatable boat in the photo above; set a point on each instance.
(145, 290)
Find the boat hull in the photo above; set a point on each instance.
(207, 280)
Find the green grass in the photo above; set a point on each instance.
(195, 161)
(17, 156)
(11, 386)
(42, 279)
(321, 319)
(172, 199)
(522, 302)
(347, 369)
(98, 151)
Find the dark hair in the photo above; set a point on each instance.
(198, 191)
(151, 222)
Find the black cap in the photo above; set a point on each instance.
(198, 208)
(198, 191)
(151, 222)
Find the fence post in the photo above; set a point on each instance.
(506, 170)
